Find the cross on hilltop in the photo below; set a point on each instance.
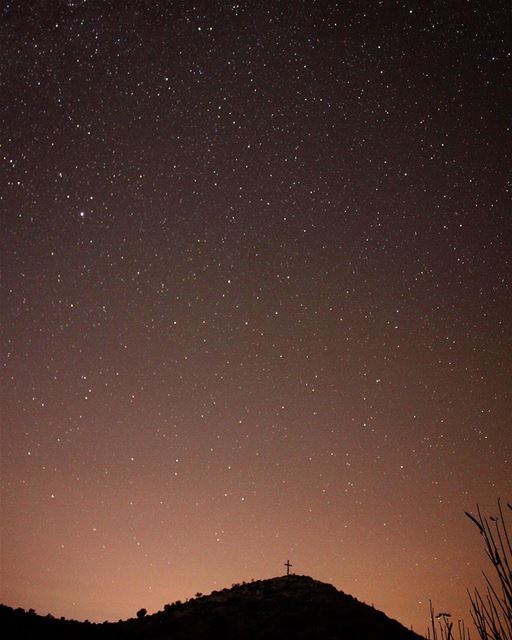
(288, 565)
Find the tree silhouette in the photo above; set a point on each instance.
(141, 613)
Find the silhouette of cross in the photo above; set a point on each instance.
(287, 565)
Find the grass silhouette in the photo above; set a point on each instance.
(491, 611)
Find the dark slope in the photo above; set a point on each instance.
(286, 608)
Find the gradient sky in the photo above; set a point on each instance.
(256, 298)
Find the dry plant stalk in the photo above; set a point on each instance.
(443, 630)
(492, 611)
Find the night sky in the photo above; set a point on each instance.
(256, 300)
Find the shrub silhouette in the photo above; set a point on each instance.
(141, 613)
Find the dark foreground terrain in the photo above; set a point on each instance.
(291, 607)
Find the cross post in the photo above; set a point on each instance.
(287, 565)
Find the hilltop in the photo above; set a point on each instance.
(289, 607)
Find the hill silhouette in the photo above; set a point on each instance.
(289, 607)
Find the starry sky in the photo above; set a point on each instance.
(256, 298)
